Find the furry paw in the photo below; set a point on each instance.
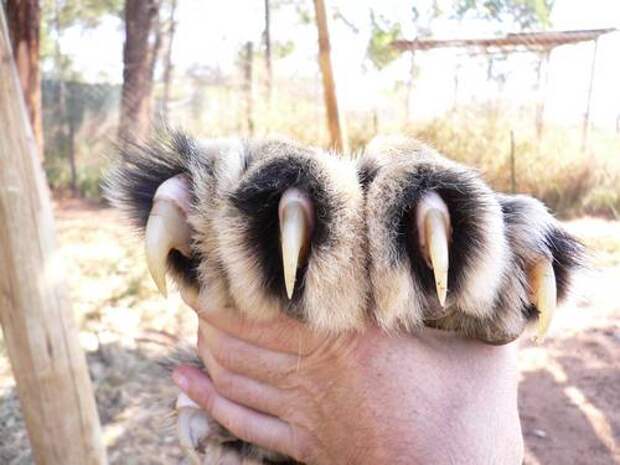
(445, 251)
(261, 226)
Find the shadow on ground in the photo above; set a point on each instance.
(134, 395)
(571, 410)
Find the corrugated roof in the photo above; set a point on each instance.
(535, 41)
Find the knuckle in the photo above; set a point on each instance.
(244, 431)
(206, 399)
(225, 358)
(219, 354)
(301, 449)
(222, 381)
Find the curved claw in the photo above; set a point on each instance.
(167, 228)
(433, 224)
(296, 223)
(543, 294)
(437, 240)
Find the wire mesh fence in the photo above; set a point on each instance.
(518, 107)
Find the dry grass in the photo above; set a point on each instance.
(569, 399)
(553, 168)
(125, 328)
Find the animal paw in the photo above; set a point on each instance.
(447, 252)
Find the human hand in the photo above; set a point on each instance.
(357, 398)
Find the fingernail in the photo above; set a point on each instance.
(180, 380)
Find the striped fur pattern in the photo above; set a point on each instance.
(364, 237)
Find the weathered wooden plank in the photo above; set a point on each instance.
(53, 385)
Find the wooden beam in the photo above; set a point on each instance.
(53, 385)
(334, 118)
(538, 41)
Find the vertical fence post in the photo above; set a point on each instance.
(335, 120)
(513, 173)
(53, 385)
(585, 131)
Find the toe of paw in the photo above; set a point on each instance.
(476, 241)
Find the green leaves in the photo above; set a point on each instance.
(526, 14)
(383, 33)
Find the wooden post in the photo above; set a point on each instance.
(248, 59)
(541, 90)
(334, 119)
(268, 68)
(513, 168)
(53, 385)
(168, 65)
(586, 117)
(24, 22)
(455, 101)
(410, 88)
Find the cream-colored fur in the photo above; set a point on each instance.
(360, 274)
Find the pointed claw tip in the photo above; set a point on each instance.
(436, 243)
(295, 229)
(166, 229)
(160, 283)
(544, 294)
(441, 294)
(289, 282)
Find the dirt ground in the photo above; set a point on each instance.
(569, 394)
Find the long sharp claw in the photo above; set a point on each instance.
(166, 229)
(436, 231)
(543, 286)
(295, 229)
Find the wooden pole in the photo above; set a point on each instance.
(24, 22)
(334, 119)
(513, 170)
(542, 85)
(248, 60)
(168, 65)
(268, 67)
(410, 88)
(586, 117)
(54, 389)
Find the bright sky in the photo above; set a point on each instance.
(210, 33)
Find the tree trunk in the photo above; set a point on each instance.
(53, 385)
(334, 122)
(72, 162)
(269, 78)
(65, 127)
(138, 66)
(168, 66)
(24, 19)
(247, 86)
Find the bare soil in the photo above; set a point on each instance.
(570, 384)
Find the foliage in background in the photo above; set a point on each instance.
(525, 14)
(382, 34)
(84, 127)
(552, 168)
(555, 169)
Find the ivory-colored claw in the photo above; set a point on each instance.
(543, 287)
(192, 429)
(295, 216)
(166, 229)
(437, 237)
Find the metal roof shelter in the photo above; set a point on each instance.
(531, 41)
(541, 43)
